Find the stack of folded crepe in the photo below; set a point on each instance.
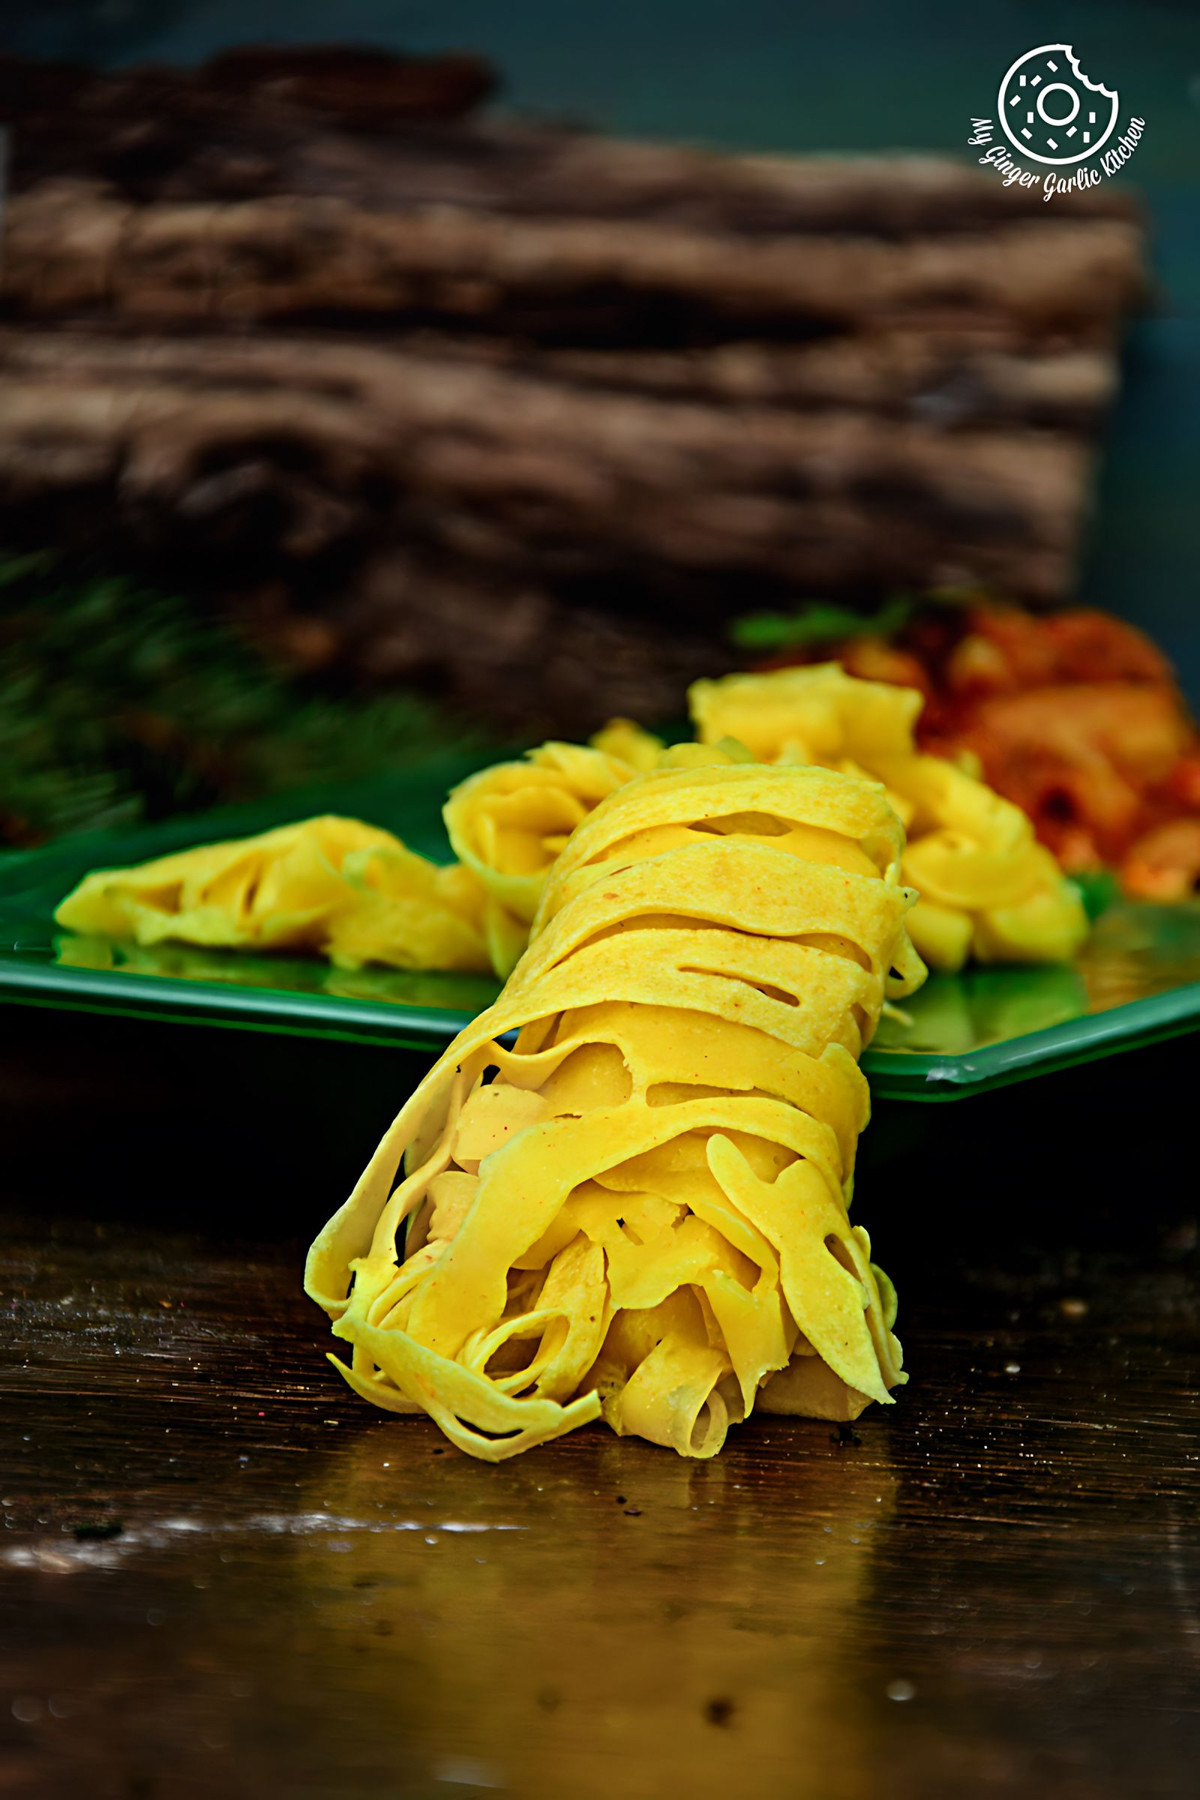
(988, 890)
(357, 895)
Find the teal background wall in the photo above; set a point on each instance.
(849, 75)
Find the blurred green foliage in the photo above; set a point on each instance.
(120, 705)
(824, 622)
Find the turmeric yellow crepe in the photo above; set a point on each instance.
(357, 895)
(640, 1210)
(508, 823)
(987, 888)
(330, 885)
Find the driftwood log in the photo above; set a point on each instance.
(520, 412)
(525, 473)
(76, 248)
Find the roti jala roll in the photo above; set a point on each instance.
(639, 1209)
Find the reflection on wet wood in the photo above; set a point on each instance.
(225, 1575)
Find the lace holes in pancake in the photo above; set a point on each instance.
(678, 1093)
(840, 1254)
(745, 824)
(759, 987)
(833, 944)
(774, 993)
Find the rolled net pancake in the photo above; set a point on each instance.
(988, 889)
(641, 1209)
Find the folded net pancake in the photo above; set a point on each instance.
(328, 885)
(987, 888)
(508, 823)
(640, 1210)
(357, 895)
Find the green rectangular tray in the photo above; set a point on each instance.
(1136, 981)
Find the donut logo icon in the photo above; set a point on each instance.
(1050, 111)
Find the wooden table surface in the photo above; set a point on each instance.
(225, 1575)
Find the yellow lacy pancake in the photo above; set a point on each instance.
(333, 886)
(629, 743)
(640, 1210)
(987, 888)
(508, 823)
(357, 895)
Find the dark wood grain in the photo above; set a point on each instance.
(518, 414)
(304, 1598)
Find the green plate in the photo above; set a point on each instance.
(1136, 981)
